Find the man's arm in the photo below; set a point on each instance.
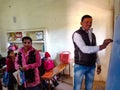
(98, 65)
(82, 46)
(89, 49)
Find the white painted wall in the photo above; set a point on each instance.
(61, 18)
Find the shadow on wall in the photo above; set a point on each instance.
(57, 59)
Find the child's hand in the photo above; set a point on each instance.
(23, 68)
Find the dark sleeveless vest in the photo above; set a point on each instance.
(84, 58)
(29, 74)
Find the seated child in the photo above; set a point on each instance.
(48, 65)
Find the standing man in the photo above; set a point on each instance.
(85, 54)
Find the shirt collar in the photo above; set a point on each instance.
(89, 31)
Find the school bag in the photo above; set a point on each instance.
(48, 64)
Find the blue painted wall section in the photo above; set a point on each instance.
(113, 79)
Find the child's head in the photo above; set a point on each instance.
(10, 53)
(47, 55)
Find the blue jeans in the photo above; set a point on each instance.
(80, 72)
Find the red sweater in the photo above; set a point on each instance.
(10, 65)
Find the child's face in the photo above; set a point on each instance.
(27, 44)
(12, 54)
(48, 58)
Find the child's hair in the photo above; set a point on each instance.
(26, 37)
(15, 54)
(8, 53)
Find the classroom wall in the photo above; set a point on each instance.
(61, 18)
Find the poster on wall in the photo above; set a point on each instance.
(18, 36)
(36, 35)
(39, 35)
(11, 36)
(14, 36)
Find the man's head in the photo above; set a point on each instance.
(86, 22)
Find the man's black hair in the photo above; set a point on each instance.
(85, 16)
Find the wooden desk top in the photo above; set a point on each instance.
(56, 70)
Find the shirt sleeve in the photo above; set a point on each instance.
(82, 46)
(17, 66)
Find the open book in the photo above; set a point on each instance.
(19, 76)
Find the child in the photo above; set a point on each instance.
(48, 65)
(10, 69)
(28, 60)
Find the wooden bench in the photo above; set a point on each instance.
(55, 71)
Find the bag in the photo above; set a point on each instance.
(6, 78)
(48, 65)
(43, 85)
(19, 76)
(65, 57)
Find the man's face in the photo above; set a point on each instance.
(86, 23)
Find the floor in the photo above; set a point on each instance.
(97, 85)
(67, 84)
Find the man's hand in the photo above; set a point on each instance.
(98, 69)
(105, 43)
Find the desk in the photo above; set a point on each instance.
(56, 70)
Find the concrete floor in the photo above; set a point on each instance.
(97, 85)
(67, 84)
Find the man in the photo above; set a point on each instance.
(86, 54)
